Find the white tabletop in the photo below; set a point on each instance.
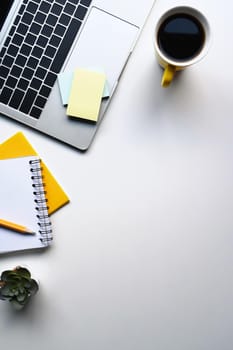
(142, 256)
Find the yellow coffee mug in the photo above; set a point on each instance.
(181, 38)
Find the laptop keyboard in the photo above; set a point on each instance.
(35, 50)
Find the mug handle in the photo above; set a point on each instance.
(168, 75)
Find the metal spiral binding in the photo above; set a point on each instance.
(41, 202)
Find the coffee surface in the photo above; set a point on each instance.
(181, 37)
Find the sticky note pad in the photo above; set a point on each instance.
(65, 82)
(86, 94)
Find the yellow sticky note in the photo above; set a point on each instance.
(86, 94)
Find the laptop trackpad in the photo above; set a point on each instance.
(104, 43)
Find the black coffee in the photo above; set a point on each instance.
(181, 37)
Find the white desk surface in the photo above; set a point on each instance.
(142, 257)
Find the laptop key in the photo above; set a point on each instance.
(45, 62)
(16, 98)
(35, 28)
(12, 31)
(23, 84)
(21, 10)
(40, 102)
(5, 95)
(80, 12)
(32, 62)
(35, 112)
(44, 7)
(37, 51)
(40, 73)
(27, 18)
(13, 50)
(8, 61)
(47, 30)
(11, 82)
(27, 73)
(42, 41)
(56, 9)
(55, 40)
(3, 51)
(36, 83)
(64, 19)
(26, 49)
(17, 39)
(50, 79)
(4, 71)
(50, 51)
(59, 30)
(7, 41)
(21, 60)
(22, 29)
(30, 39)
(69, 9)
(16, 21)
(16, 71)
(40, 17)
(32, 7)
(28, 101)
(45, 91)
(52, 20)
(86, 2)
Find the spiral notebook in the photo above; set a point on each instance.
(22, 201)
(19, 146)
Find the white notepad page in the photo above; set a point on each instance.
(22, 201)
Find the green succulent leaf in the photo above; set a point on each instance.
(5, 274)
(33, 287)
(16, 304)
(5, 291)
(21, 297)
(22, 271)
(25, 281)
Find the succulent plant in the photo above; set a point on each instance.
(17, 286)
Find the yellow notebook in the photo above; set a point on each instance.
(18, 146)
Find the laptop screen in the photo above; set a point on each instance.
(5, 6)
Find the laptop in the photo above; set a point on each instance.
(39, 39)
